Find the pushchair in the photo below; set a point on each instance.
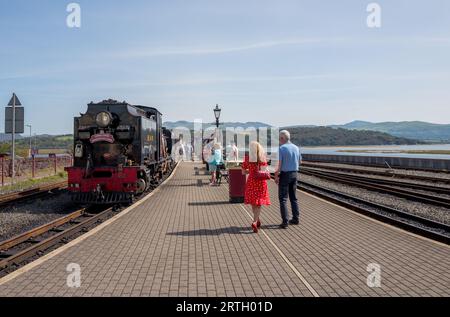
(221, 172)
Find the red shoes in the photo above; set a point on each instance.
(256, 226)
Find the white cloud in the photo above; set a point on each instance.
(199, 80)
(210, 50)
(149, 52)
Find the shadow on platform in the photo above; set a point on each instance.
(209, 203)
(199, 183)
(219, 231)
(213, 232)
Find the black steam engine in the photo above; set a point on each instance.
(120, 151)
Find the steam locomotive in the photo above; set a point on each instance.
(120, 151)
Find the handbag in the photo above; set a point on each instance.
(263, 174)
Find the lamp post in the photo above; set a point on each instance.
(217, 111)
(31, 152)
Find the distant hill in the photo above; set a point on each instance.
(328, 136)
(406, 129)
(46, 141)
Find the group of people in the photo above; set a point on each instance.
(183, 151)
(255, 165)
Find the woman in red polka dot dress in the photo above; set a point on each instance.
(256, 190)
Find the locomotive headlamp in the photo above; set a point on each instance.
(103, 119)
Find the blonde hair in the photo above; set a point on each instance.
(217, 146)
(257, 153)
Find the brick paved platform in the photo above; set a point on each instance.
(187, 240)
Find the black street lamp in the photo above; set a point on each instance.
(217, 111)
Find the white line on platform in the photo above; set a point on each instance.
(72, 243)
(285, 258)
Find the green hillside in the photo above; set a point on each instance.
(407, 129)
(57, 142)
(326, 136)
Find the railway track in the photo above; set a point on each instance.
(423, 187)
(422, 226)
(406, 168)
(31, 193)
(22, 248)
(32, 244)
(387, 187)
(387, 173)
(33, 233)
(425, 227)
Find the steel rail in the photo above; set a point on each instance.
(22, 255)
(430, 170)
(410, 222)
(386, 173)
(430, 188)
(403, 193)
(33, 233)
(9, 198)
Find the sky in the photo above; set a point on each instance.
(280, 62)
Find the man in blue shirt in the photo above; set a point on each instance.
(286, 178)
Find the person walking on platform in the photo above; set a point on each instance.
(234, 152)
(215, 161)
(286, 178)
(256, 190)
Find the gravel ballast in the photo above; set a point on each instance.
(21, 217)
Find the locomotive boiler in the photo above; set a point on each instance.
(120, 151)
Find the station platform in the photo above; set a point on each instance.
(186, 239)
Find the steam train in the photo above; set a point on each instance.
(120, 151)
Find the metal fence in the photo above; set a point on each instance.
(32, 168)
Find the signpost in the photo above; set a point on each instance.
(14, 123)
(2, 160)
(30, 152)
